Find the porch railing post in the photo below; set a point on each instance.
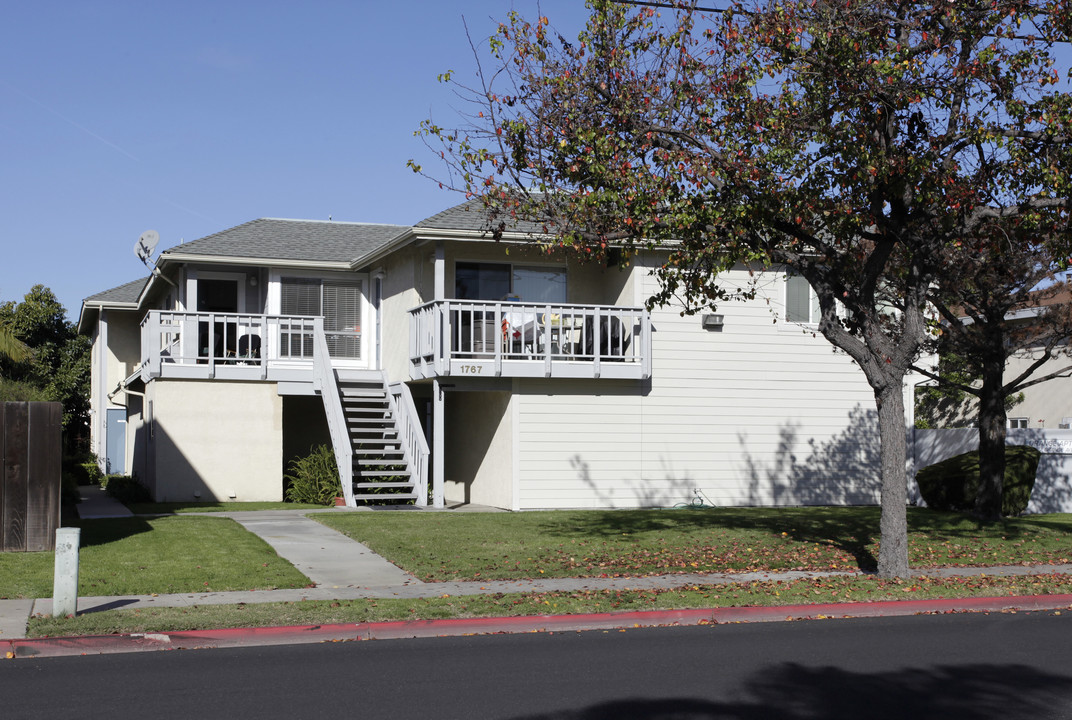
(597, 336)
(645, 342)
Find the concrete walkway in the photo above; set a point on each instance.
(325, 556)
(95, 503)
(344, 569)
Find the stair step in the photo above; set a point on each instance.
(375, 460)
(408, 485)
(386, 473)
(382, 496)
(359, 393)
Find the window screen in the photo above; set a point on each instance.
(339, 302)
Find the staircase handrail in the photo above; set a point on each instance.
(411, 438)
(324, 380)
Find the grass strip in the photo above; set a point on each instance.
(593, 543)
(765, 593)
(171, 508)
(143, 556)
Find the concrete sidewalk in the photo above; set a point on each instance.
(344, 569)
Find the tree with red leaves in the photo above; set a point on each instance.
(852, 143)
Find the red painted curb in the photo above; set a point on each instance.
(290, 635)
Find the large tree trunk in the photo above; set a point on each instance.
(893, 526)
(991, 440)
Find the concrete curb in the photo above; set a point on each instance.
(303, 634)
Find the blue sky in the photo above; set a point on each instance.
(189, 118)
(192, 117)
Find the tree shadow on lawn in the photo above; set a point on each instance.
(101, 531)
(850, 530)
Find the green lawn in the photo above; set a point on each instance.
(592, 543)
(170, 508)
(143, 556)
(821, 590)
(183, 553)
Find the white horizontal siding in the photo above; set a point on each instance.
(759, 413)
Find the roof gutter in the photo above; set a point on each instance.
(260, 262)
(422, 235)
(82, 327)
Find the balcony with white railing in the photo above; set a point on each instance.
(513, 339)
(235, 346)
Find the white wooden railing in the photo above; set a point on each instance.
(324, 381)
(446, 331)
(209, 340)
(411, 438)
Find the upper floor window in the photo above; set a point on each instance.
(500, 281)
(338, 301)
(801, 302)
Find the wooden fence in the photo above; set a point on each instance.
(30, 456)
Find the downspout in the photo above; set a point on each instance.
(377, 299)
(438, 399)
(101, 420)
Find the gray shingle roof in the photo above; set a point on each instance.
(471, 216)
(308, 240)
(125, 293)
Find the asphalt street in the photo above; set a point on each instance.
(1012, 666)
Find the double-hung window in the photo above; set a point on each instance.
(801, 302)
(338, 301)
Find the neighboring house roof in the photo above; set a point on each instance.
(125, 294)
(123, 297)
(296, 240)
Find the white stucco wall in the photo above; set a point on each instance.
(220, 439)
(479, 445)
(404, 274)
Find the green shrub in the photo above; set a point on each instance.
(953, 484)
(314, 478)
(21, 391)
(94, 476)
(126, 489)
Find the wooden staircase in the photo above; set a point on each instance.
(383, 467)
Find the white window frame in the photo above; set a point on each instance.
(370, 320)
(1019, 423)
(238, 278)
(814, 312)
(563, 267)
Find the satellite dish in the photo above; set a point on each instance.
(146, 245)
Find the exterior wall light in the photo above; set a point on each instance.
(711, 322)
